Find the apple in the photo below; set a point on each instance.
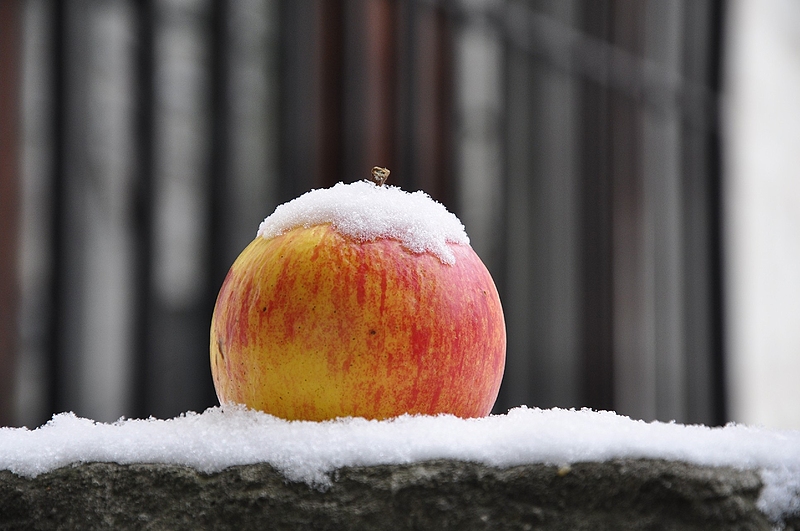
(359, 300)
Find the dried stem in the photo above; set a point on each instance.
(379, 175)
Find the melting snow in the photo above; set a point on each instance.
(365, 211)
(309, 451)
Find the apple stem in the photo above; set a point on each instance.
(379, 175)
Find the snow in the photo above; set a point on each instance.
(309, 451)
(365, 211)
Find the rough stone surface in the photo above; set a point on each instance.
(624, 494)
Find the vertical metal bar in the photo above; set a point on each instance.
(143, 208)
(518, 286)
(219, 178)
(296, 96)
(10, 22)
(406, 98)
(510, 257)
(380, 79)
(696, 232)
(56, 387)
(431, 110)
(218, 168)
(329, 92)
(718, 347)
(597, 310)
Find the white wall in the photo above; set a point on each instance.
(762, 187)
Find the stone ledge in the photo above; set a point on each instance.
(442, 494)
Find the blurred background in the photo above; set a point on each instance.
(629, 171)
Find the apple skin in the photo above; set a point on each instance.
(314, 325)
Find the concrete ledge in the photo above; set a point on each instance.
(623, 494)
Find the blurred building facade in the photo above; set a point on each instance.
(577, 141)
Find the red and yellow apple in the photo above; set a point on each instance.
(314, 324)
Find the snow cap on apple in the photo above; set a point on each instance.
(365, 211)
(359, 300)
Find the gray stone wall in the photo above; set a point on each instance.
(623, 494)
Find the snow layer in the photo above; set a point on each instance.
(309, 451)
(365, 211)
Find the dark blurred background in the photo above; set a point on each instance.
(143, 142)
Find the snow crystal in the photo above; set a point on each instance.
(365, 211)
(309, 451)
